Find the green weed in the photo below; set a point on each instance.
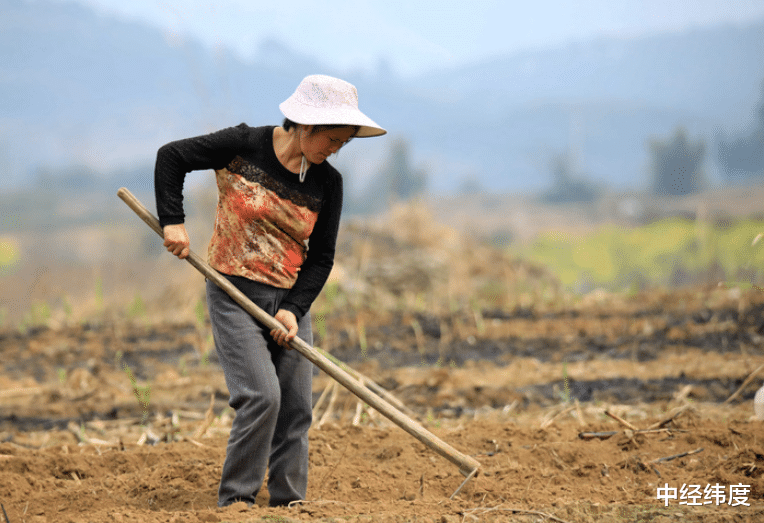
(183, 366)
(200, 313)
(142, 393)
(431, 420)
(330, 293)
(565, 393)
(319, 322)
(38, 315)
(137, 308)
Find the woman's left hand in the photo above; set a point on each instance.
(288, 320)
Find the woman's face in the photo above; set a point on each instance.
(319, 145)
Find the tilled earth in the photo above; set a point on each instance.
(120, 420)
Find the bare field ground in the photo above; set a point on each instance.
(579, 409)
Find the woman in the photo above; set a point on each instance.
(279, 204)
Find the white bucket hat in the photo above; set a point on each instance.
(324, 100)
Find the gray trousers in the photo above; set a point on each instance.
(271, 391)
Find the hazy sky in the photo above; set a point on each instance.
(416, 35)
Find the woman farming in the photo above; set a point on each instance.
(278, 213)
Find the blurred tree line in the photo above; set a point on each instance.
(743, 156)
(676, 164)
(567, 185)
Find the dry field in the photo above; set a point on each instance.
(579, 409)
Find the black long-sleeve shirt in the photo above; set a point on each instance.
(269, 226)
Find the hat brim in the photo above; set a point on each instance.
(346, 115)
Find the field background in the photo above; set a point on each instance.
(508, 328)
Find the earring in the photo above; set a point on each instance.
(303, 170)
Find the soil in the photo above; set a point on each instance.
(578, 408)
(82, 442)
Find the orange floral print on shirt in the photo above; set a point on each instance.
(262, 226)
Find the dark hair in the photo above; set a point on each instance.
(289, 124)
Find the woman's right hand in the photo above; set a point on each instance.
(176, 240)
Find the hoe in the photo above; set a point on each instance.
(468, 466)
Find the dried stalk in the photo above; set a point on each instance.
(189, 414)
(370, 384)
(748, 380)
(515, 511)
(621, 421)
(550, 421)
(209, 419)
(580, 414)
(683, 393)
(28, 391)
(78, 433)
(598, 435)
(321, 398)
(194, 442)
(358, 412)
(330, 407)
(670, 418)
(610, 433)
(675, 456)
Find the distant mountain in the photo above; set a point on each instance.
(702, 71)
(602, 99)
(77, 87)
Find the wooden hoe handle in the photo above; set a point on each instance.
(468, 466)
